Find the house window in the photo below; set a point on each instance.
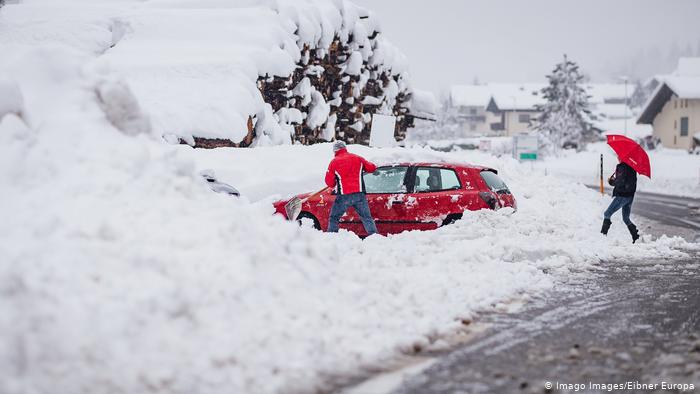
(472, 111)
(684, 126)
(675, 124)
(524, 118)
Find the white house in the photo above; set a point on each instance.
(495, 108)
(673, 109)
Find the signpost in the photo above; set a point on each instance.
(525, 147)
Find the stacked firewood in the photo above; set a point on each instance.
(324, 83)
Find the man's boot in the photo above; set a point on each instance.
(633, 232)
(606, 226)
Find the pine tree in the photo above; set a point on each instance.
(565, 117)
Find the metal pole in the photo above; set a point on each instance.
(602, 187)
(626, 101)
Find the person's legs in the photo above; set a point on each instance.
(340, 205)
(362, 207)
(614, 206)
(626, 210)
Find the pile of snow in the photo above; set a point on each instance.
(121, 271)
(190, 68)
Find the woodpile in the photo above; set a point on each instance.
(332, 94)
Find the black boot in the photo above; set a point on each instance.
(606, 226)
(633, 232)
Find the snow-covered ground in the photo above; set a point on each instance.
(673, 171)
(120, 271)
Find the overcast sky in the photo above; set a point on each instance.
(452, 41)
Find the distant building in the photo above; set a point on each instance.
(611, 112)
(507, 109)
(673, 109)
(496, 109)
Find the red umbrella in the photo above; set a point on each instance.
(631, 153)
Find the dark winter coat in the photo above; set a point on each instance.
(625, 181)
(345, 172)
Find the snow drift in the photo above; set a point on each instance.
(120, 271)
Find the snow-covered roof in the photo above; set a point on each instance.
(683, 87)
(688, 66)
(470, 95)
(599, 92)
(506, 96)
(517, 96)
(424, 104)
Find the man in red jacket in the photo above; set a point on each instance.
(345, 176)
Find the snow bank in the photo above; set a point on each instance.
(190, 68)
(120, 271)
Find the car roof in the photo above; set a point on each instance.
(440, 164)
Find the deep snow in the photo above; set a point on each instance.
(121, 271)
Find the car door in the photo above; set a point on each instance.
(386, 190)
(436, 193)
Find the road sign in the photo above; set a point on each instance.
(525, 147)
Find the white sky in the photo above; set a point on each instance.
(452, 41)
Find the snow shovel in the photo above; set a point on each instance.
(293, 207)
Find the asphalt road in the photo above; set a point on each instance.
(636, 322)
(682, 212)
(628, 323)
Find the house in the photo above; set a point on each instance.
(611, 112)
(515, 106)
(495, 109)
(673, 109)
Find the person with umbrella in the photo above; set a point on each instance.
(633, 160)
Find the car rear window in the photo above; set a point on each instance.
(494, 181)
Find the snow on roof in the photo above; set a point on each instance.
(470, 95)
(424, 104)
(517, 96)
(685, 87)
(599, 92)
(688, 66)
(507, 96)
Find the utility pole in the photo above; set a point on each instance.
(624, 78)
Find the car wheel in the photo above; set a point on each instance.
(451, 218)
(308, 216)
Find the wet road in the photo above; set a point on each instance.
(636, 324)
(676, 211)
(627, 323)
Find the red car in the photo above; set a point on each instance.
(414, 196)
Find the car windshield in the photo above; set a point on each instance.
(494, 181)
(386, 180)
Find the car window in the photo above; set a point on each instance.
(494, 181)
(386, 180)
(433, 179)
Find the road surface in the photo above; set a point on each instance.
(682, 212)
(633, 323)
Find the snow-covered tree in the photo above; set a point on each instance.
(565, 116)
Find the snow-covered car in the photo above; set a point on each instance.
(414, 196)
(218, 187)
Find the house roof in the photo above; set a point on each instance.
(470, 95)
(599, 92)
(683, 87)
(506, 96)
(688, 66)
